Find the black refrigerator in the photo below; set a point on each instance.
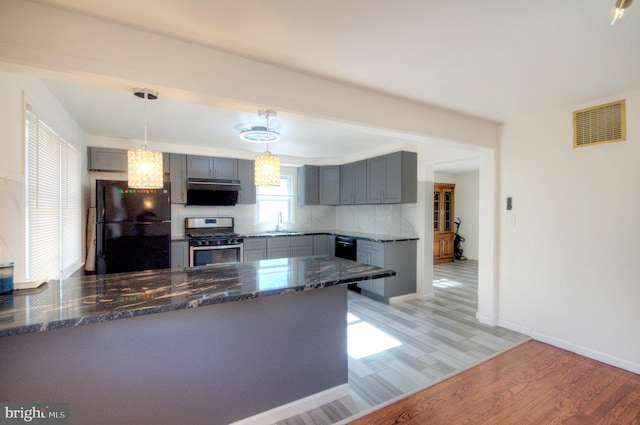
(133, 228)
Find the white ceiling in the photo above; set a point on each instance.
(495, 59)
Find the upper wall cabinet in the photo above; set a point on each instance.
(205, 167)
(178, 174)
(387, 179)
(330, 185)
(392, 179)
(115, 160)
(353, 183)
(246, 173)
(308, 185)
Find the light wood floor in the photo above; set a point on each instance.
(436, 338)
(533, 383)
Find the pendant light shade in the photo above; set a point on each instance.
(267, 170)
(267, 166)
(145, 168)
(619, 11)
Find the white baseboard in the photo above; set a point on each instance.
(587, 352)
(486, 320)
(515, 327)
(570, 346)
(426, 297)
(403, 298)
(296, 407)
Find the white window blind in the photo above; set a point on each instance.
(70, 208)
(53, 206)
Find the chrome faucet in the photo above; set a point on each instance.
(279, 222)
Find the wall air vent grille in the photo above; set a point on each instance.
(599, 124)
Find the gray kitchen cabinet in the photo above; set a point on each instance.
(115, 160)
(254, 255)
(225, 168)
(199, 167)
(320, 244)
(278, 247)
(108, 159)
(246, 173)
(371, 253)
(178, 175)
(399, 256)
(308, 185)
(353, 183)
(329, 185)
(331, 247)
(392, 178)
(301, 246)
(254, 249)
(179, 254)
(205, 167)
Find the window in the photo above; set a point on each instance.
(271, 200)
(53, 202)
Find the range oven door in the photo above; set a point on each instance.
(209, 255)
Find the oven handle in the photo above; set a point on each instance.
(209, 248)
(200, 248)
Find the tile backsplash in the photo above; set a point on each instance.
(398, 219)
(392, 219)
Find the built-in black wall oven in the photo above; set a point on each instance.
(212, 241)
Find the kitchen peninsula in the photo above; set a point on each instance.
(204, 345)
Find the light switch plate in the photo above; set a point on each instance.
(510, 219)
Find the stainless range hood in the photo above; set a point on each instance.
(212, 192)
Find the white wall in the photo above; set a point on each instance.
(14, 91)
(568, 271)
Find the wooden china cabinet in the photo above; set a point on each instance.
(443, 222)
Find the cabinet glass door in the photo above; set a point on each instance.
(436, 211)
(447, 210)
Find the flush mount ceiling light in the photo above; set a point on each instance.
(145, 166)
(267, 166)
(260, 134)
(620, 10)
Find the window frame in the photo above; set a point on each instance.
(53, 235)
(267, 197)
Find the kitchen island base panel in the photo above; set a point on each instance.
(211, 365)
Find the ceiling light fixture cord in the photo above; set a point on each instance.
(144, 166)
(146, 96)
(268, 128)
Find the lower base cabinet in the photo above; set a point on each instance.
(179, 254)
(278, 247)
(254, 249)
(321, 245)
(301, 246)
(399, 256)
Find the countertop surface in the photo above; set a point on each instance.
(374, 237)
(92, 299)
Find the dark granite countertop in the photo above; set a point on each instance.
(92, 299)
(374, 237)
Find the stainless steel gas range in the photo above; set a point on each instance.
(212, 241)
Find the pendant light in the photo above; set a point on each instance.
(619, 10)
(145, 170)
(267, 166)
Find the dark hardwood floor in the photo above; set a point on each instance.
(533, 383)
